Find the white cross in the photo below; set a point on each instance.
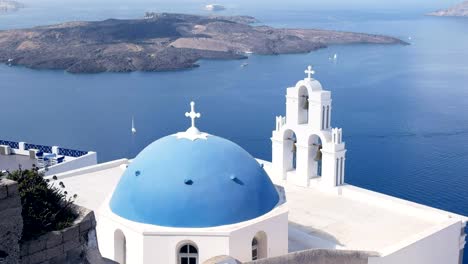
(192, 113)
(309, 72)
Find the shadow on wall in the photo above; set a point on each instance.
(328, 241)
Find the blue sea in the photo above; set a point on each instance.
(403, 109)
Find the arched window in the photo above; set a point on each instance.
(120, 247)
(188, 254)
(254, 249)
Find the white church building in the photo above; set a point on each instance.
(192, 196)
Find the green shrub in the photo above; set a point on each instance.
(45, 206)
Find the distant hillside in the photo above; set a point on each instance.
(161, 42)
(9, 5)
(458, 10)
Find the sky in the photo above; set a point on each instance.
(339, 4)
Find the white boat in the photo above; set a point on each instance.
(214, 7)
(335, 57)
(133, 126)
(248, 52)
(244, 64)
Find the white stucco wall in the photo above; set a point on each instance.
(149, 244)
(70, 163)
(442, 246)
(162, 247)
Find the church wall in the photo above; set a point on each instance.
(163, 248)
(441, 246)
(106, 229)
(276, 229)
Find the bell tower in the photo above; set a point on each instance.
(306, 150)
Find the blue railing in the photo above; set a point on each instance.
(72, 152)
(12, 144)
(42, 148)
(46, 149)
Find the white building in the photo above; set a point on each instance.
(192, 196)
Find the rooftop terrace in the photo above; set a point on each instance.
(50, 159)
(352, 219)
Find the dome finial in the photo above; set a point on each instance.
(192, 132)
(309, 72)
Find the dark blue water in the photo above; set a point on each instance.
(404, 109)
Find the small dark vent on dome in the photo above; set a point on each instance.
(188, 181)
(236, 180)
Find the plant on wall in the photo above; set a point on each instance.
(45, 207)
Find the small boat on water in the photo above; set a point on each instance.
(9, 62)
(244, 64)
(214, 7)
(133, 126)
(335, 57)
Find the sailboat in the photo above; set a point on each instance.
(133, 126)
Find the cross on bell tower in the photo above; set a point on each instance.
(309, 72)
(192, 114)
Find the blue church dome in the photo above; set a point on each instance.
(178, 182)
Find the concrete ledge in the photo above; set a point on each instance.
(90, 169)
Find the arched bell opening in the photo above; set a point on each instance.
(259, 246)
(303, 105)
(314, 158)
(289, 150)
(120, 247)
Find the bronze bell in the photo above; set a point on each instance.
(318, 155)
(294, 147)
(305, 103)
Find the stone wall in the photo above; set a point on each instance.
(11, 222)
(319, 256)
(70, 245)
